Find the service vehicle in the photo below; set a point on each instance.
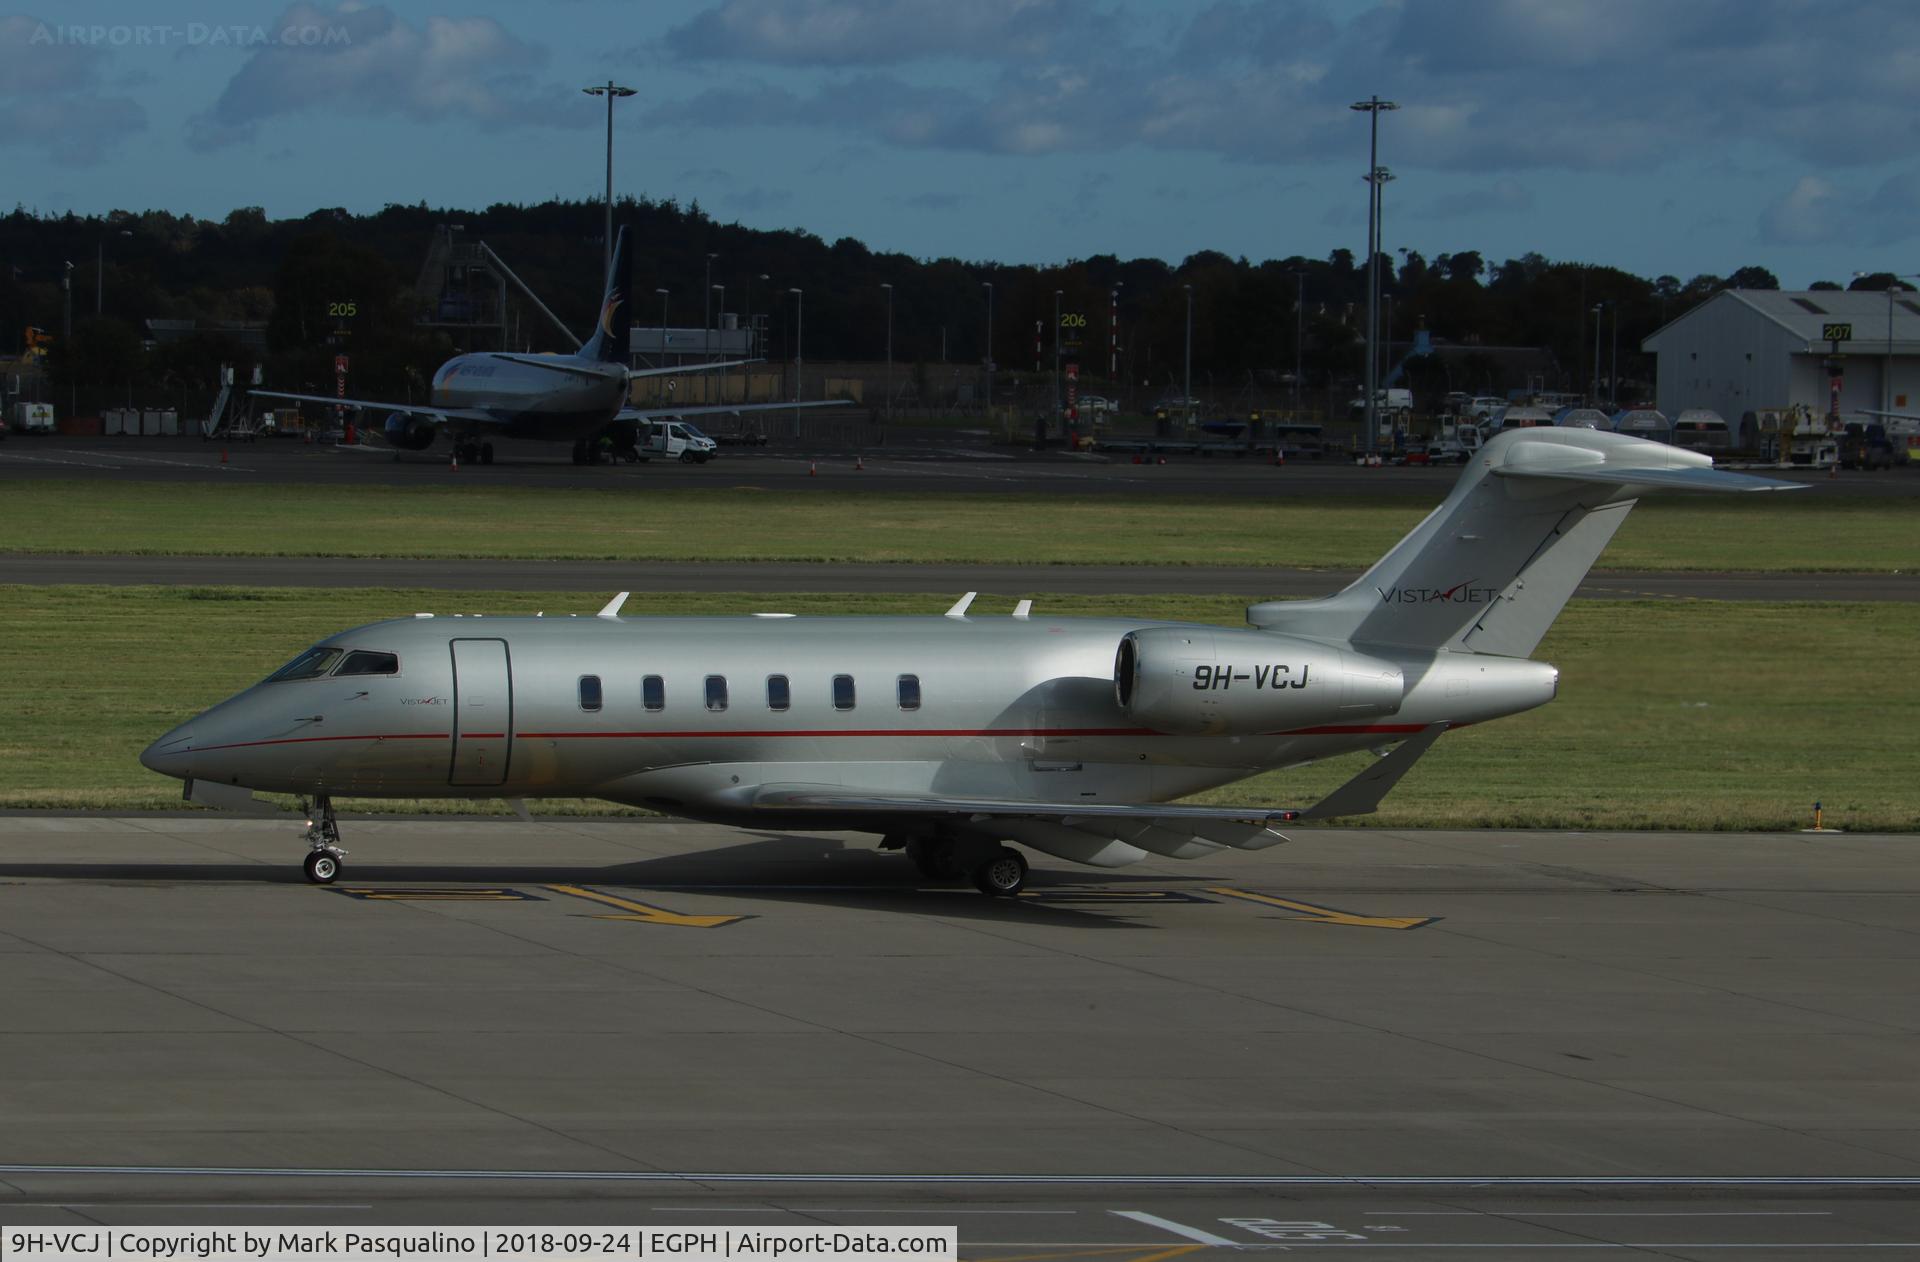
(1865, 445)
(674, 440)
(1701, 429)
(33, 418)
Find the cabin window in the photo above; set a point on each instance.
(589, 692)
(311, 664)
(843, 692)
(779, 693)
(716, 692)
(909, 692)
(366, 662)
(653, 692)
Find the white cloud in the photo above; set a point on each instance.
(468, 68)
(876, 32)
(51, 97)
(1817, 211)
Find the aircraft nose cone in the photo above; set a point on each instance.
(168, 755)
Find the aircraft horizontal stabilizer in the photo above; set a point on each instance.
(1361, 795)
(1656, 479)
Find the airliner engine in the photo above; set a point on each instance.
(1234, 683)
(409, 432)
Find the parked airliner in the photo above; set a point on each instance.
(558, 398)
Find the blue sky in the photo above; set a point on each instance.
(1676, 136)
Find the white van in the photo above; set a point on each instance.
(674, 440)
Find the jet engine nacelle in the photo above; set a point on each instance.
(409, 432)
(1198, 682)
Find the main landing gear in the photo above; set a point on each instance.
(996, 871)
(324, 851)
(469, 452)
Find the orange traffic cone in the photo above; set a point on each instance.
(223, 455)
(454, 466)
(859, 463)
(813, 468)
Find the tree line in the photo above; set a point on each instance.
(1245, 316)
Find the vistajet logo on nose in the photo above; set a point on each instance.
(1459, 594)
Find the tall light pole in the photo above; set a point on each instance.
(1613, 365)
(988, 286)
(100, 272)
(1372, 107)
(750, 339)
(719, 314)
(1186, 399)
(1598, 307)
(799, 340)
(663, 326)
(706, 309)
(66, 312)
(1056, 361)
(1299, 320)
(888, 286)
(612, 91)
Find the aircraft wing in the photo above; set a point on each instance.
(1160, 827)
(689, 369)
(713, 409)
(439, 416)
(1890, 416)
(1156, 826)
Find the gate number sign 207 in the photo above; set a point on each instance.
(1836, 332)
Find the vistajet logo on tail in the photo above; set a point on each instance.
(1459, 594)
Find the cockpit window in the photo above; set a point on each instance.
(311, 664)
(368, 662)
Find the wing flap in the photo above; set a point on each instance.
(1182, 832)
(439, 415)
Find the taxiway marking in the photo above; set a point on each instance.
(447, 895)
(1194, 1234)
(645, 913)
(1316, 914)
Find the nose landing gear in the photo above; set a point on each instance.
(324, 851)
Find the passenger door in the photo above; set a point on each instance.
(482, 712)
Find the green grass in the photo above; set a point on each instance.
(1806, 531)
(1672, 714)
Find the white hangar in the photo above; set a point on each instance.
(1744, 350)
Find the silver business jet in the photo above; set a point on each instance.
(577, 397)
(953, 735)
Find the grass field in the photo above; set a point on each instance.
(1803, 531)
(1672, 714)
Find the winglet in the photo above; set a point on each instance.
(959, 609)
(1361, 795)
(1022, 609)
(613, 607)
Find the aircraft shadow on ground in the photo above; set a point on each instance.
(774, 868)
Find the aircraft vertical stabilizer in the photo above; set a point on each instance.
(1490, 569)
(610, 342)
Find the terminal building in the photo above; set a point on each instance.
(1749, 350)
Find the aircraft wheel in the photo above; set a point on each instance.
(321, 866)
(486, 453)
(935, 858)
(1002, 876)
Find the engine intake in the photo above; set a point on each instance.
(409, 432)
(1199, 682)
